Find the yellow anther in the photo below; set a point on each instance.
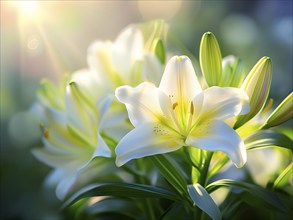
(191, 108)
(179, 59)
(174, 105)
(46, 134)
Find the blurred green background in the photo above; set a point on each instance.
(46, 39)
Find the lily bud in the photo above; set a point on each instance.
(282, 113)
(257, 86)
(232, 75)
(159, 50)
(210, 59)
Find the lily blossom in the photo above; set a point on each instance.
(71, 133)
(179, 113)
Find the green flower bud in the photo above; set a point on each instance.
(159, 50)
(257, 86)
(232, 74)
(282, 113)
(210, 59)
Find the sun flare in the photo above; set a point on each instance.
(27, 9)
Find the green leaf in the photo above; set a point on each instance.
(268, 138)
(204, 201)
(170, 172)
(284, 177)
(266, 196)
(281, 114)
(121, 190)
(210, 59)
(114, 205)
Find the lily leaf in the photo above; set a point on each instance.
(170, 172)
(114, 205)
(204, 201)
(268, 138)
(255, 191)
(284, 177)
(121, 190)
(218, 162)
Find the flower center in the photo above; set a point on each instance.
(182, 117)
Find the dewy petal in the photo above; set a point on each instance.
(222, 103)
(218, 136)
(179, 80)
(142, 102)
(145, 140)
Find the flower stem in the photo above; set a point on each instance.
(203, 178)
(205, 169)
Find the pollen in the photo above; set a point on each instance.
(179, 59)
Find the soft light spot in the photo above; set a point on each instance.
(33, 43)
(158, 9)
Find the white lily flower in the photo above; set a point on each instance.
(71, 135)
(123, 61)
(179, 113)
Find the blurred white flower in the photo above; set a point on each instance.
(126, 61)
(71, 132)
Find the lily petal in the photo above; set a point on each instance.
(130, 41)
(65, 185)
(218, 136)
(151, 68)
(142, 102)
(222, 103)
(59, 159)
(179, 80)
(87, 80)
(81, 112)
(145, 140)
(100, 61)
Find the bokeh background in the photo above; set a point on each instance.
(46, 39)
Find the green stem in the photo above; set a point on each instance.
(205, 169)
(203, 178)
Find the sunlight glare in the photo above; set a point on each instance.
(27, 9)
